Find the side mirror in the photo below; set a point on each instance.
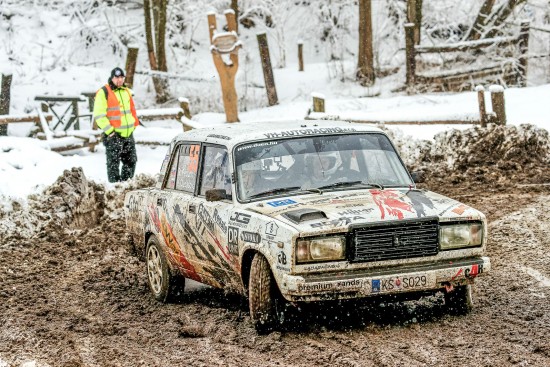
(216, 195)
(418, 176)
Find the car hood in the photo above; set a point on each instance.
(337, 210)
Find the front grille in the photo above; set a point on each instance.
(395, 240)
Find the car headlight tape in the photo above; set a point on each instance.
(461, 235)
(320, 249)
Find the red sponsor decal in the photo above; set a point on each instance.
(457, 274)
(389, 202)
(172, 243)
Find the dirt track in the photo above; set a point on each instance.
(78, 297)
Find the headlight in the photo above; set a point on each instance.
(320, 249)
(460, 235)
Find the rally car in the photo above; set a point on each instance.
(290, 212)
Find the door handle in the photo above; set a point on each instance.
(159, 202)
(192, 208)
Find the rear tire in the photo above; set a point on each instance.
(262, 295)
(164, 286)
(459, 301)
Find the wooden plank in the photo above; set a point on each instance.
(463, 46)
(60, 98)
(7, 119)
(389, 122)
(158, 117)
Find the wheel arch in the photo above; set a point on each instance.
(246, 264)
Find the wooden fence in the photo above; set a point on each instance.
(512, 71)
(497, 116)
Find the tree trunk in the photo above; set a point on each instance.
(414, 15)
(474, 33)
(155, 33)
(235, 7)
(498, 17)
(365, 65)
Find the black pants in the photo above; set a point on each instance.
(120, 150)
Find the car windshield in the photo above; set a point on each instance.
(301, 165)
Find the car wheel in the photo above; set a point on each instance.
(164, 286)
(459, 301)
(262, 295)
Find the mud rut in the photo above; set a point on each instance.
(77, 296)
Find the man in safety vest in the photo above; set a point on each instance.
(115, 114)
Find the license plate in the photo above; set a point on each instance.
(403, 283)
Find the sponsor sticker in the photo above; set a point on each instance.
(375, 285)
(232, 240)
(277, 203)
(251, 237)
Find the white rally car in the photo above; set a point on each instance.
(299, 212)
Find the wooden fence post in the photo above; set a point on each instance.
(497, 101)
(131, 61)
(184, 105)
(268, 71)
(318, 102)
(481, 102)
(226, 70)
(5, 97)
(523, 43)
(410, 55)
(300, 55)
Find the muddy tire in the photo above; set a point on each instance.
(459, 301)
(164, 286)
(262, 295)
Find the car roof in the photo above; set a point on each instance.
(230, 134)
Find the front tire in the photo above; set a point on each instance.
(459, 301)
(262, 295)
(163, 285)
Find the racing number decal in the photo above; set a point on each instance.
(193, 165)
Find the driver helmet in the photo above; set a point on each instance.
(325, 163)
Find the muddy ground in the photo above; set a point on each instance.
(73, 294)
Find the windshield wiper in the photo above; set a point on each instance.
(339, 184)
(275, 191)
(351, 183)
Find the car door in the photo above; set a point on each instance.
(172, 207)
(208, 228)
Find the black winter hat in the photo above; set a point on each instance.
(117, 72)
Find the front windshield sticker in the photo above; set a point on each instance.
(300, 132)
(256, 145)
(281, 202)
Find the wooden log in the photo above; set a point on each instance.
(5, 98)
(131, 61)
(497, 101)
(7, 119)
(467, 46)
(318, 102)
(300, 56)
(523, 43)
(410, 56)
(481, 103)
(268, 71)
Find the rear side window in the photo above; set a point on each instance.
(215, 172)
(183, 172)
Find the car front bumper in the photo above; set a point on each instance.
(394, 280)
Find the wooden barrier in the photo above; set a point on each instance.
(458, 79)
(498, 116)
(15, 119)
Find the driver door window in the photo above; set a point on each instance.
(215, 170)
